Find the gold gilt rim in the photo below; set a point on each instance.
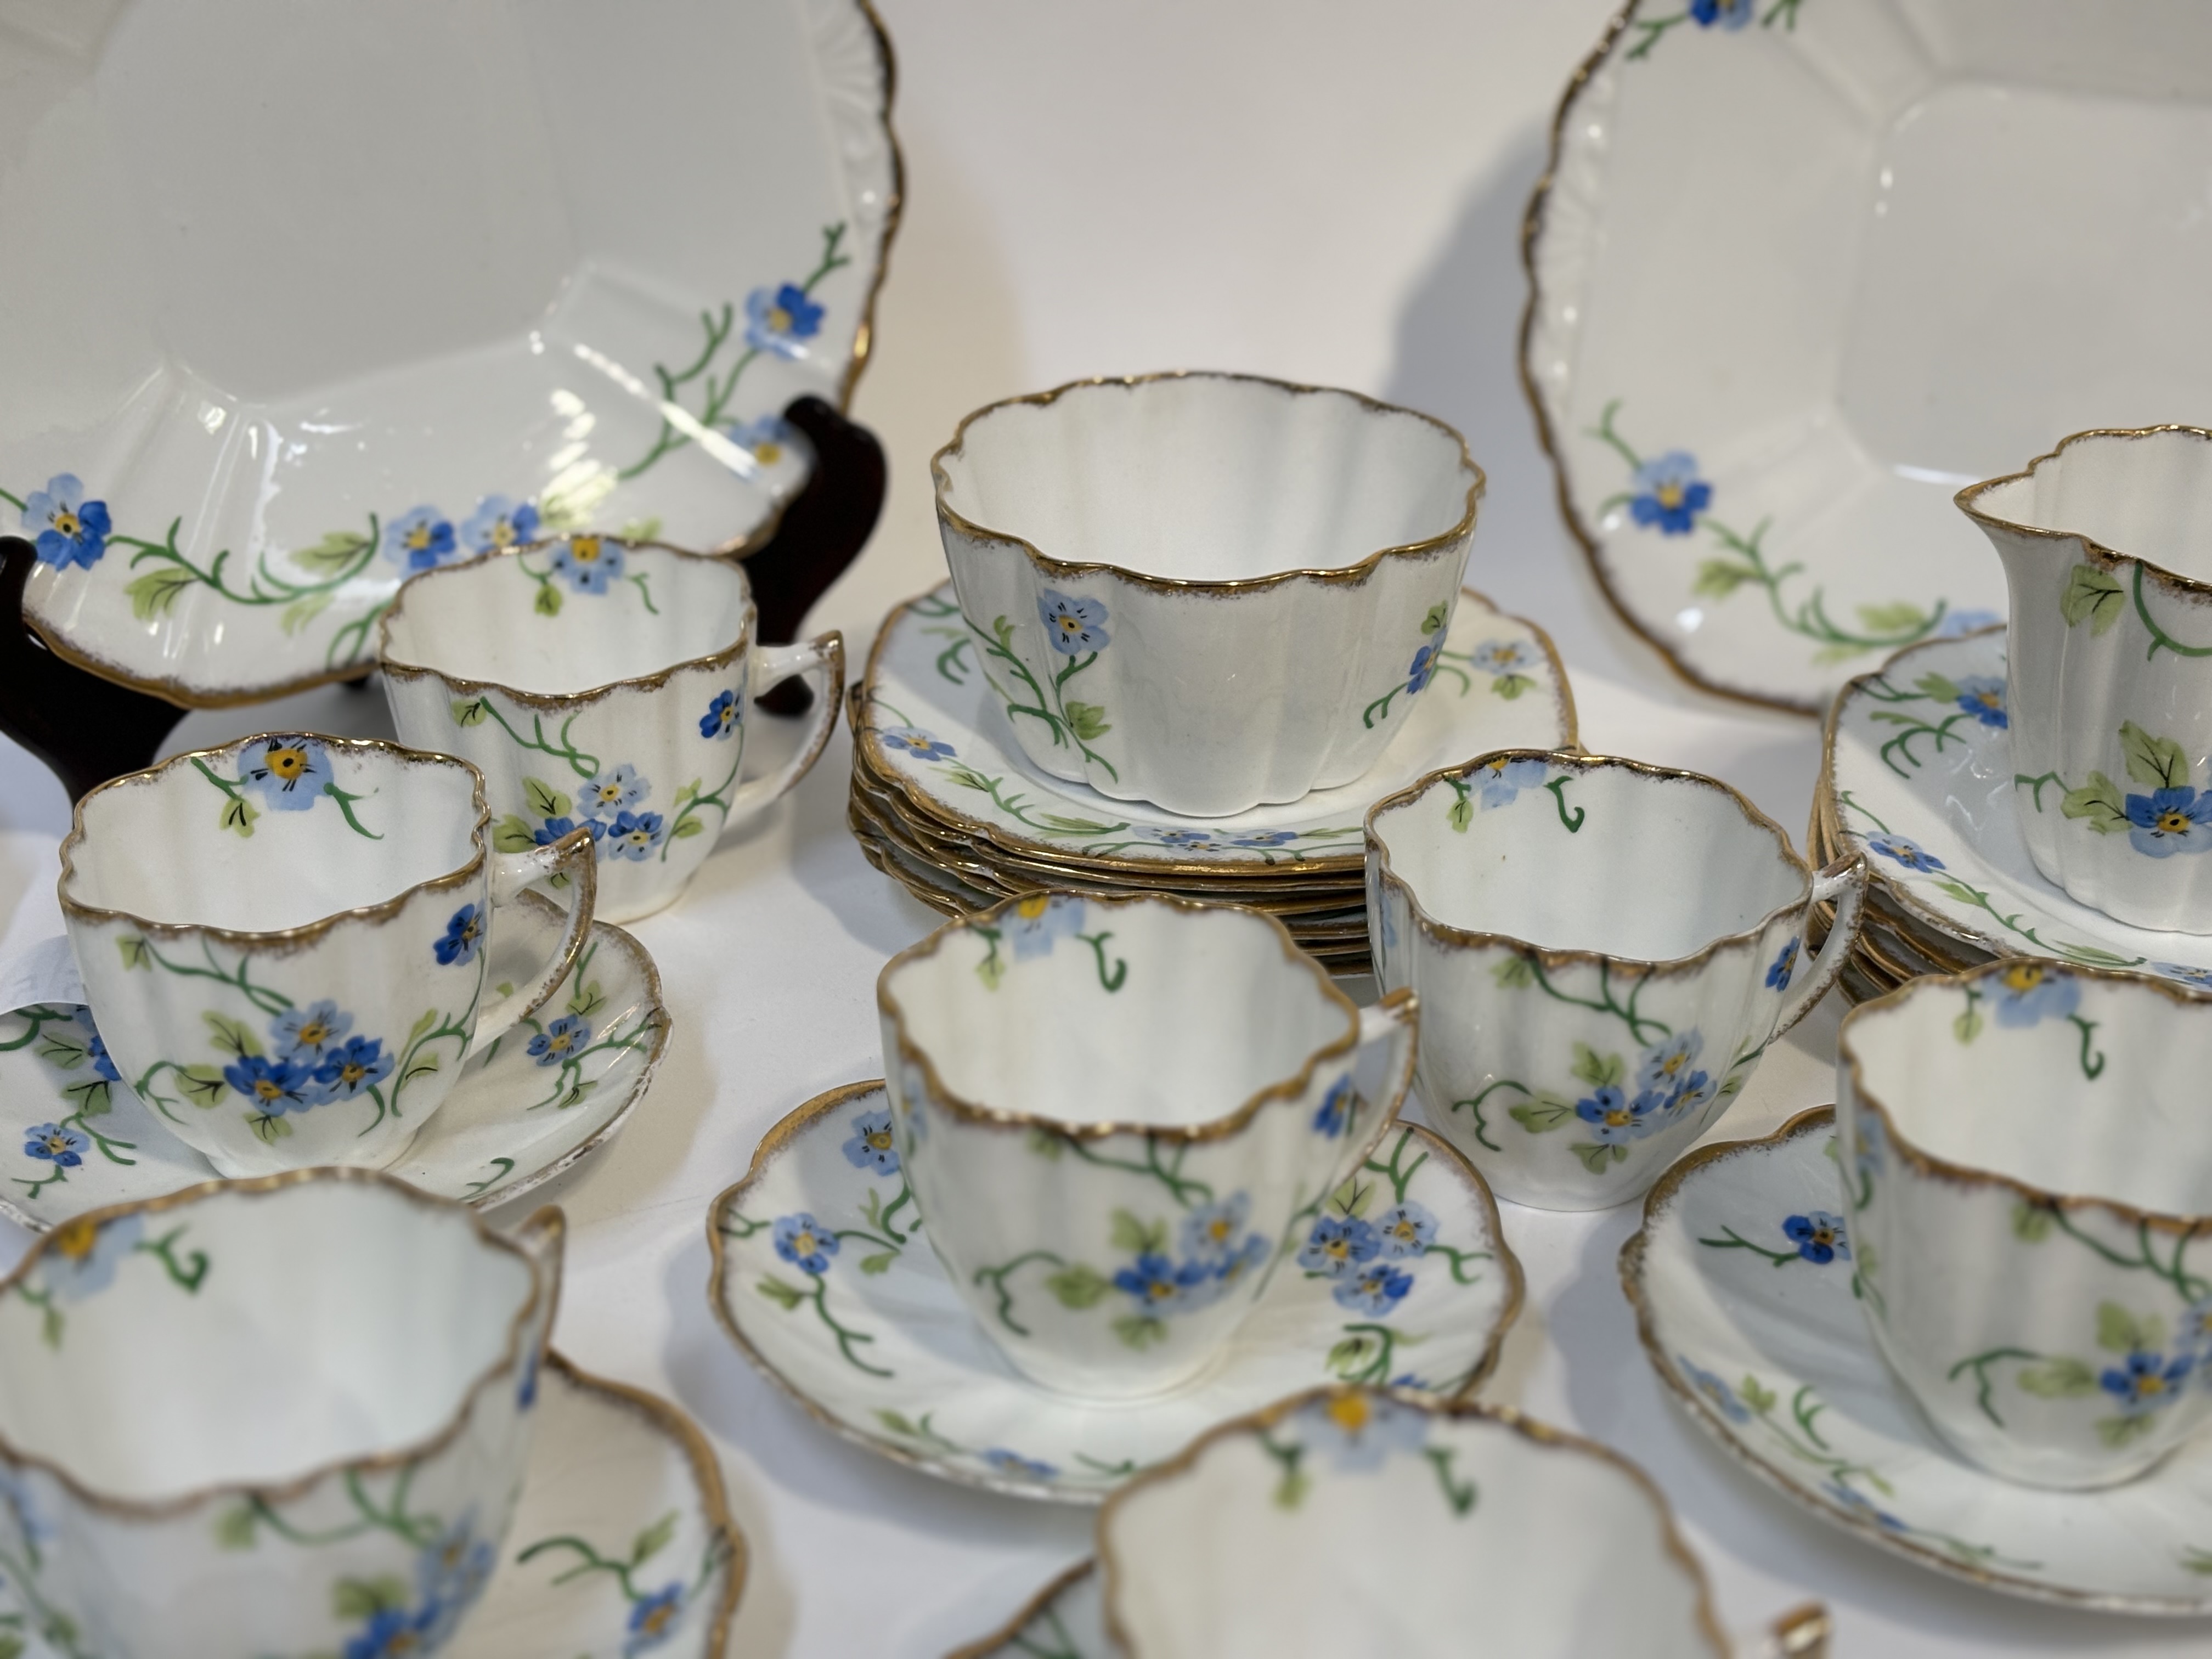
(1192, 1134)
(1961, 1175)
(2095, 551)
(1631, 1268)
(864, 335)
(671, 1423)
(863, 694)
(1003, 1636)
(1445, 934)
(1456, 1410)
(544, 1285)
(1352, 574)
(787, 1131)
(277, 939)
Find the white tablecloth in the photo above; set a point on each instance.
(1322, 192)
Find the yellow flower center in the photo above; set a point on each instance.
(1031, 908)
(351, 1072)
(779, 320)
(768, 453)
(877, 1141)
(418, 537)
(1350, 1413)
(1670, 495)
(288, 764)
(2173, 823)
(559, 1041)
(1618, 1118)
(2021, 978)
(74, 1239)
(657, 1620)
(266, 1090)
(502, 532)
(803, 1243)
(67, 522)
(584, 548)
(57, 1142)
(314, 1034)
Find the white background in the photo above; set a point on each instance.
(1325, 192)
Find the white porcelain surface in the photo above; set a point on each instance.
(1208, 592)
(602, 686)
(1923, 780)
(1774, 1361)
(1989, 238)
(934, 727)
(2107, 547)
(868, 1333)
(285, 942)
(73, 1136)
(1505, 1536)
(313, 1398)
(1113, 1110)
(287, 392)
(1602, 949)
(2030, 1170)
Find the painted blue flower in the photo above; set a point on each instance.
(917, 745)
(1714, 1392)
(1818, 1236)
(65, 528)
(1406, 1229)
(722, 715)
(1158, 1284)
(346, 1072)
(1498, 781)
(463, 937)
(306, 1034)
(95, 1047)
(869, 1146)
(653, 1619)
(1034, 922)
(498, 523)
(1375, 1289)
(778, 318)
(1267, 838)
(1230, 1271)
(1859, 1504)
(1779, 971)
(83, 1255)
(1020, 1468)
(1728, 14)
(1956, 622)
(804, 1242)
(1211, 1231)
(1615, 1119)
(64, 1148)
(2027, 991)
(635, 835)
(612, 790)
(2146, 1381)
(1503, 657)
(767, 440)
(1869, 1146)
(2169, 821)
(419, 539)
(1667, 492)
(589, 564)
(553, 829)
(450, 1574)
(1335, 1115)
(2193, 1332)
(563, 1039)
(1693, 1094)
(1073, 625)
(526, 1392)
(1188, 840)
(1983, 696)
(1337, 1243)
(1357, 1431)
(1424, 668)
(274, 1086)
(391, 1633)
(2199, 978)
(289, 774)
(1904, 850)
(1668, 1064)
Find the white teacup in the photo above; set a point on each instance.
(287, 1416)
(1205, 591)
(1603, 951)
(284, 941)
(1113, 1114)
(603, 685)
(2028, 1194)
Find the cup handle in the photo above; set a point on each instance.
(822, 661)
(1801, 1633)
(1843, 882)
(573, 856)
(1395, 1020)
(545, 1236)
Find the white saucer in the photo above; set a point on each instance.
(1066, 1620)
(880, 1348)
(1770, 1351)
(510, 1124)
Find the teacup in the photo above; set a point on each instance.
(1603, 951)
(2107, 549)
(2055, 1339)
(603, 685)
(288, 1415)
(1205, 591)
(1505, 1536)
(1115, 1113)
(285, 939)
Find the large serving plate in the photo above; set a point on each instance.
(301, 296)
(1801, 269)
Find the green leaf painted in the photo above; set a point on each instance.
(2117, 1431)
(1959, 890)
(1510, 686)
(1599, 1071)
(1078, 1287)
(544, 799)
(686, 827)
(203, 1086)
(231, 1035)
(880, 1262)
(1718, 578)
(2064, 1378)
(2155, 763)
(1045, 1144)
(1936, 688)
(1138, 1238)
(2098, 801)
(1436, 616)
(1544, 1113)
(1088, 719)
(302, 611)
(234, 1529)
(333, 553)
(1514, 973)
(364, 1598)
(1461, 813)
(1756, 1395)
(1139, 1330)
(1968, 1025)
(2031, 1223)
(2093, 594)
(469, 711)
(653, 1540)
(1596, 1155)
(548, 602)
(781, 1293)
(269, 1128)
(155, 594)
(237, 815)
(2118, 1331)
(1899, 617)
(512, 834)
(137, 953)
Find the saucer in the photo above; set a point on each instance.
(512, 1122)
(1924, 785)
(929, 728)
(1066, 1620)
(1770, 1351)
(877, 1346)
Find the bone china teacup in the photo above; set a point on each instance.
(1205, 591)
(1113, 1110)
(284, 1416)
(603, 685)
(1603, 951)
(2027, 1206)
(284, 941)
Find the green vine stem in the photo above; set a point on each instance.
(996, 1278)
(1558, 790)
(470, 710)
(1980, 1365)
(740, 1228)
(689, 802)
(1736, 1241)
(1481, 1129)
(1606, 1003)
(240, 978)
(1185, 1189)
(505, 1167)
(2159, 639)
(2190, 1287)
(1119, 977)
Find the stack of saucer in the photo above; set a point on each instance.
(944, 802)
